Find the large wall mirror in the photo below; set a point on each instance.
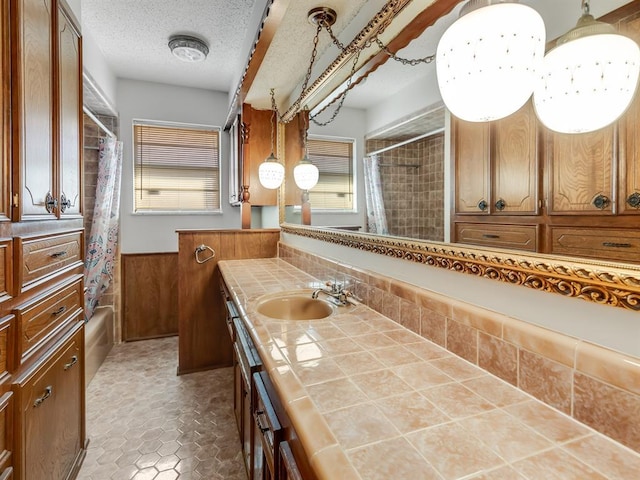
(406, 136)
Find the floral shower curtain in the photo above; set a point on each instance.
(103, 239)
(376, 217)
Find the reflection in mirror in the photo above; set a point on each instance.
(404, 177)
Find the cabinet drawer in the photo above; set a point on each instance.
(41, 318)
(6, 346)
(6, 437)
(520, 237)
(600, 243)
(44, 256)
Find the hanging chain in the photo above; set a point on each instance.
(347, 49)
(273, 114)
(405, 61)
(340, 97)
(296, 105)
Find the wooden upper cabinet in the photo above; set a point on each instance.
(515, 164)
(472, 167)
(47, 106)
(496, 169)
(33, 109)
(580, 170)
(257, 147)
(5, 111)
(629, 176)
(69, 113)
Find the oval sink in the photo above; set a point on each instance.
(294, 306)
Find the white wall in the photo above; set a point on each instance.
(94, 63)
(155, 101)
(420, 94)
(612, 327)
(350, 123)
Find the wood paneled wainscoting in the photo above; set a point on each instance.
(149, 295)
(204, 341)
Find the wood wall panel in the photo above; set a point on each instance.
(204, 340)
(149, 295)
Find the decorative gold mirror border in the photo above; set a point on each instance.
(599, 282)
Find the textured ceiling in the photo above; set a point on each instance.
(133, 37)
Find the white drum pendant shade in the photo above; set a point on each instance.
(587, 83)
(306, 175)
(488, 61)
(271, 173)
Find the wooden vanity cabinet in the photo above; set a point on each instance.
(246, 363)
(268, 433)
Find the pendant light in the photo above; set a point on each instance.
(271, 172)
(588, 79)
(305, 173)
(488, 60)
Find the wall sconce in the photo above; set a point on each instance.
(271, 172)
(588, 79)
(488, 61)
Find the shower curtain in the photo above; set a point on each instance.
(376, 218)
(103, 239)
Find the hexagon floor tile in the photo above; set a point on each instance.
(146, 423)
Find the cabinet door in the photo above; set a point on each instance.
(5, 110)
(33, 151)
(515, 164)
(69, 92)
(629, 176)
(581, 173)
(471, 167)
(51, 414)
(288, 469)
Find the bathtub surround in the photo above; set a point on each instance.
(595, 385)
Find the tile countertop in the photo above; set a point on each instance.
(370, 399)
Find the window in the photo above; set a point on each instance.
(334, 159)
(176, 167)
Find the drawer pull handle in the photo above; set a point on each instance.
(601, 202)
(73, 361)
(62, 309)
(490, 235)
(7, 474)
(58, 254)
(634, 200)
(616, 245)
(259, 415)
(47, 393)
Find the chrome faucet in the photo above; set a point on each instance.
(335, 291)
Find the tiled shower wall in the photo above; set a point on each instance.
(413, 195)
(597, 386)
(92, 134)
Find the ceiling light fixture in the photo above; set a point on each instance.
(271, 172)
(188, 48)
(588, 79)
(488, 60)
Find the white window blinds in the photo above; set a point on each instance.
(176, 168)
(334, 159)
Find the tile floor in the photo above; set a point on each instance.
(146, 423)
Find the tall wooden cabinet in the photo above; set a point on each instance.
(42, 416)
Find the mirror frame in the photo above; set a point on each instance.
(605, 283)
